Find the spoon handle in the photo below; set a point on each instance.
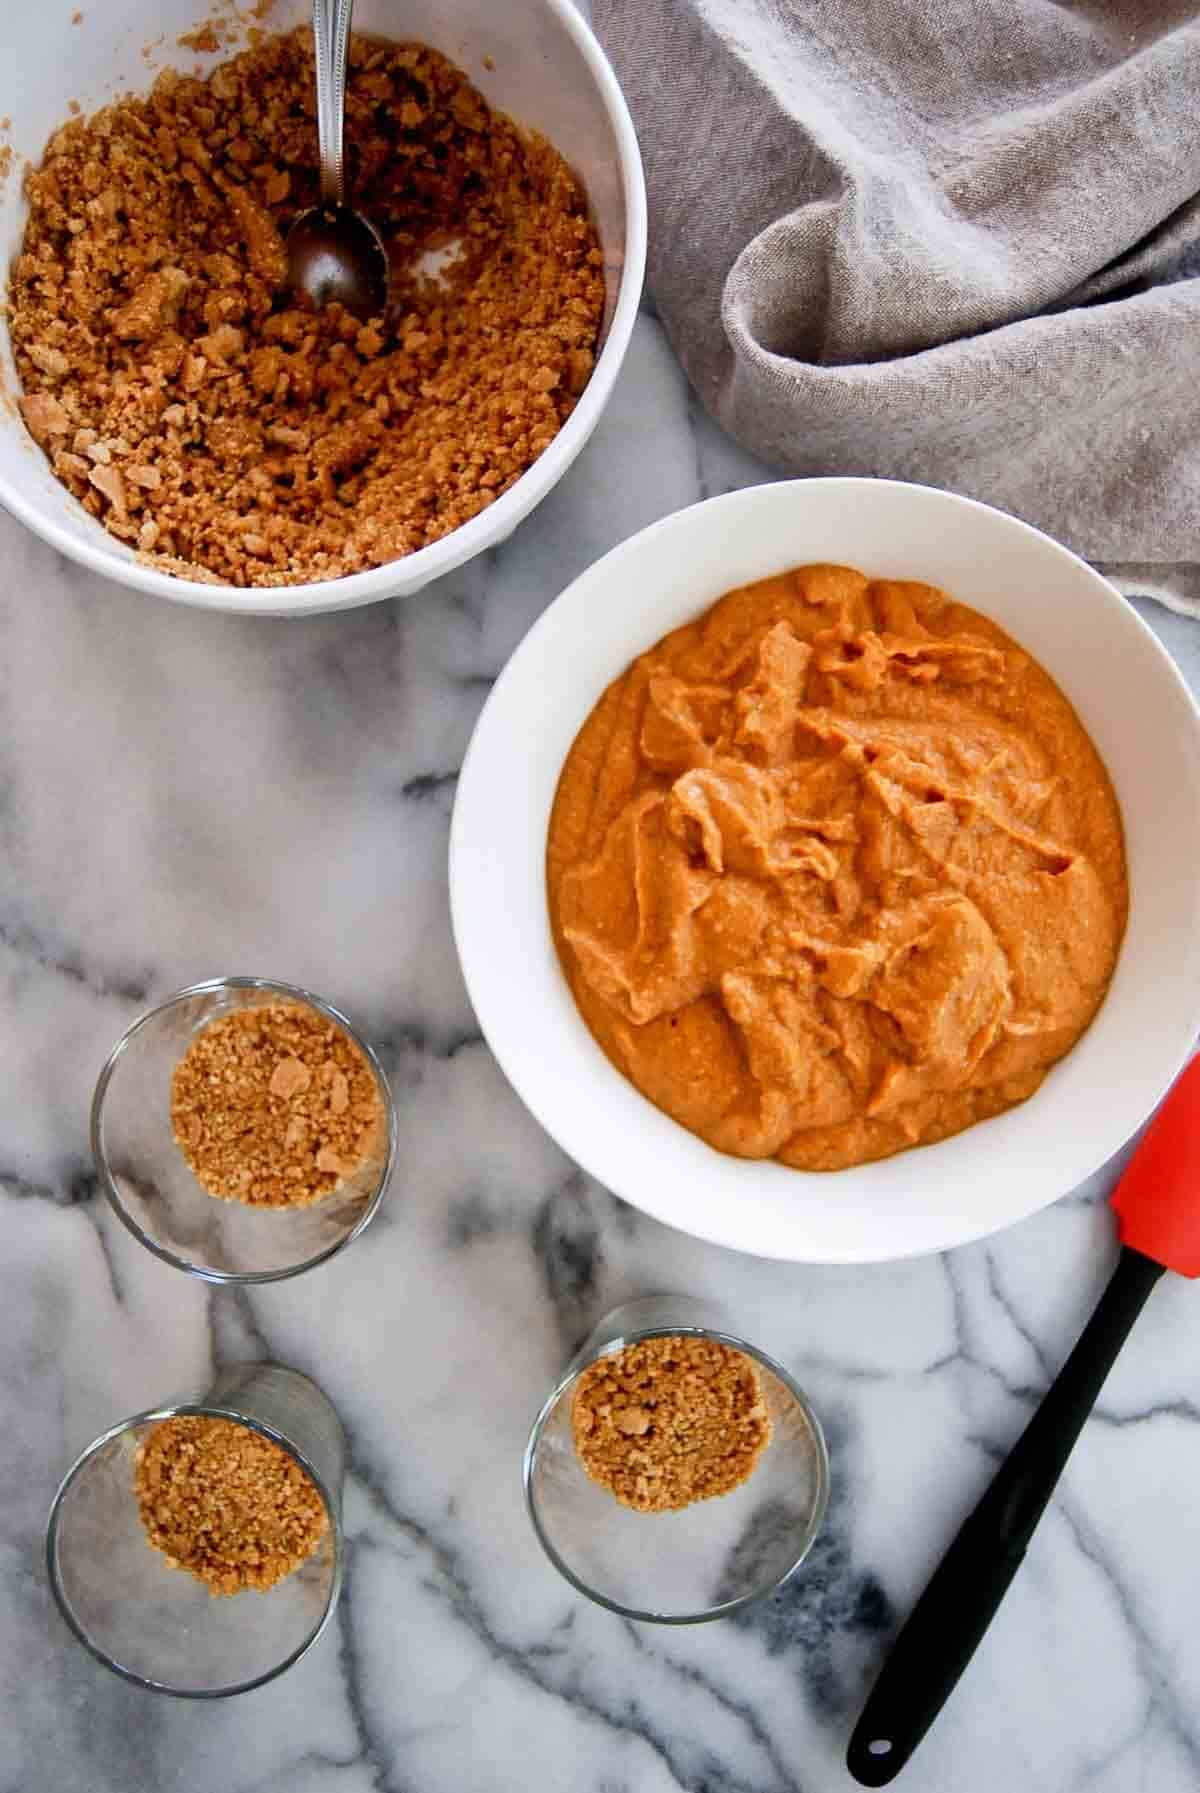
(948, 1622)
(331, 39)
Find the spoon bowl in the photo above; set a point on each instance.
(335, 255)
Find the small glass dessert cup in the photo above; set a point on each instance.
(148, 1180)
(160, 1626)
(703, 1561)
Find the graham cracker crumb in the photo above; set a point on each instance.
(290, 444)
(275, 1106)
(204, 38)
(670, 1421)
(230, 1507)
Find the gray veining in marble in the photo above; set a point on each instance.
(182, 795)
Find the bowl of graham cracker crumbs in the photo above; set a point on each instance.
(196, 1549)
(243, 1130)
(675, 1473)
(173, 418)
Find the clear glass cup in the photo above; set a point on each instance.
(701, 1562)
(150, 1184)
(158, 1626)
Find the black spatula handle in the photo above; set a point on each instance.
(948, 1621)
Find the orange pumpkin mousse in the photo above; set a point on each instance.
(835, 870)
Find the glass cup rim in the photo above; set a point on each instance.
(581, 1361)
(206, 987)
(203, 1410)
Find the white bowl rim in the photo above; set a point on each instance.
(580, 1141)
(403, 577)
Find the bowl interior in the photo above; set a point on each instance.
(1128, 695)
(532, 58)
(151, 1185)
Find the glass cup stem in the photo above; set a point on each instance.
(655, 1313)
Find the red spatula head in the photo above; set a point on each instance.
(1158, 1199)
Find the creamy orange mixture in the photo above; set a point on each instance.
(835, 870)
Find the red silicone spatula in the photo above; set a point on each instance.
(1158, 1215)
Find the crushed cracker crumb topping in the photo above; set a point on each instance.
(229, 1506)
(273, 444)
(275, 1106)
(669, 1421)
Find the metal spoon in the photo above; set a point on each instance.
(334, 253)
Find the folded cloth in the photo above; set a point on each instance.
(950, 241)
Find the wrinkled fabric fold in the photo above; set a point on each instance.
(954, 243)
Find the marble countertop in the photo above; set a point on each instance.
(185, 795)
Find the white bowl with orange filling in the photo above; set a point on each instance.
(864, 920)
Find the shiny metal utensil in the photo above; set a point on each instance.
(334, 253)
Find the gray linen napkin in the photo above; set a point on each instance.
(951, 241)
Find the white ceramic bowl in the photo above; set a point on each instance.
(1128, 695)
(534, 59)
